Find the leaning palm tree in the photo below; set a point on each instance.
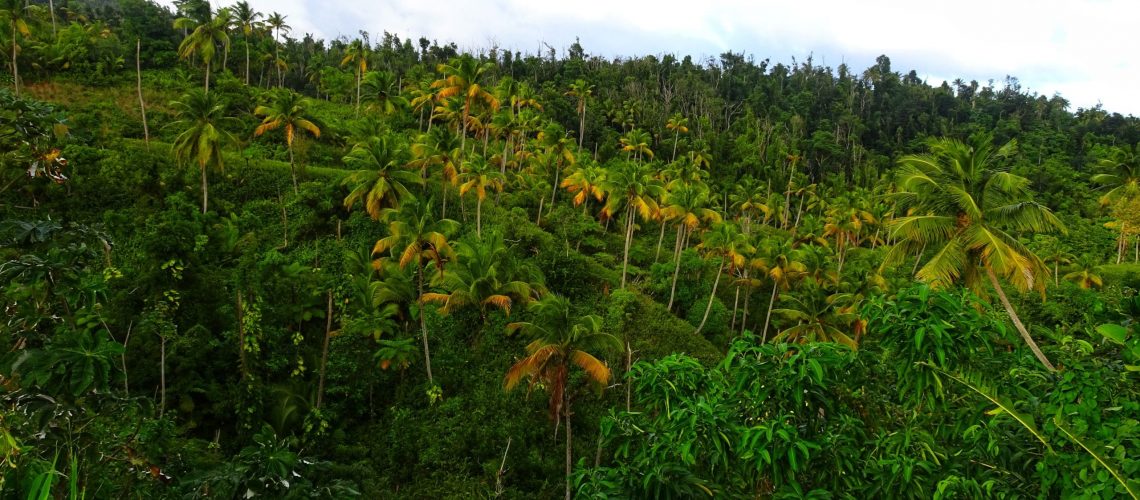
(477, 176)
(199, 117)
(203, 42)
(631, 188)
(463, 77)
(960, 202)
(287, 110)
(416, 235)
(781, 263)
(726, 243)
(561, 339)
(380, 180)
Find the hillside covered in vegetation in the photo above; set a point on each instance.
(236, 262)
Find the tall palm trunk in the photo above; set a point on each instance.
(735, 302)
(207, 76)
(247, 63)
(660, 237)
(768, 318)
(51, 8)
(1017, 321)
(569, 444)
(744, 316)
(479, 217)
(292, 169)
(277, 58)
(628, 237)
(582, 124)
(15, 66)
(205, 191)
(325, 351)
(676, 268)
(358, 90)
(676, 137)
(142, 103)
(423, 328)
(712, 296)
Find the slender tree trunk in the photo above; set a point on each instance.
(744, 316)
(1017, 321)
(735, 302)
(712, 296)
(1056, 274)
(247, 62)
(569, 445)
(15, 65)
(207, 76)
(1119, 244)
(554, 192)
(582, 124)
(162, 375)
(676, 269)
(292, 169)
(768, 318)
(325, 351)
(241, 339)
(205, 190)
(628, 237)
(423, 328)
(142, 103)
(51, 8)
(538, 216)
(277, 58)
(676, 137)
(628, 381)
(660, 238)
(479, 217)
(358, 90)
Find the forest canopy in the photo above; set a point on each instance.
(238, 261)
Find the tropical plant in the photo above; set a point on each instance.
(728, 245)
(477, 176)
(380, 180)
(356, 55)
(289, 111)
(203, 42)
(679, 125)
(633, 189)
(561, 339)
(961, 202)
(463, 77)
(485, 276)
(200, 117)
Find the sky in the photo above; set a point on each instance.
(1085, 50)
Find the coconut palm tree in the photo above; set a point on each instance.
(1123, 181)
(463, 76)
(203, 42)
(16, 13)
(726, 243)
(688, 205)
(248, 20)
(819, 316)
(416, 235)
(561, 339)
(631, 188)
(356, 54)
(289, 111)
(477, 176)
(381, 93)
(1085, 273)
(961, 202)
(635, 143)
(780, 263)
(276, 23)
(485, 276)
(582, 91)
(380, 180)
(200, 116)
(585, 183)
(679, 125)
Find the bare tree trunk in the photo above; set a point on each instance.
(358, 91)
(423, 329)
(768, 318)
(1017, 321)
(241, 339)
(162, 375)
(502, 471)
(205, 191)
(207, 76)
(292, 170)
(660, 237)
(744, 317)
(569, 445)
(735, 302)
(676, 269)
(628, 237)
(628, 382)
(479, 217)
(712, 296)
(325, 352)
(15, 65)
(538, 217)
(51, 8)
(142, 103)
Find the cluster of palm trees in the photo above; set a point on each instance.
(207, 36)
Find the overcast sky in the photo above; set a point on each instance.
(1085, 50)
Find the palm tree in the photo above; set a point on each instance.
(380, 180)
(585, 182)
(381, 93)
(820, 316)
(679, 125)
(484, 276)
(416, 235)
(200, 116)
(477, 175)
(636, 143)
(725, 242)
(276, 23)
(961, 203)
(688, 205)
(247, 19)
(781, 264)
(204, 40)
(356, 54)
(1124, 180)
(561, 339)
(581, 90)
(632, 188)
(749, 200)
(552, 139)
(287, 110)
(463, 76)
(1085, 275)
(16, 13)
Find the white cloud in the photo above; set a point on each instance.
(1081, 49)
